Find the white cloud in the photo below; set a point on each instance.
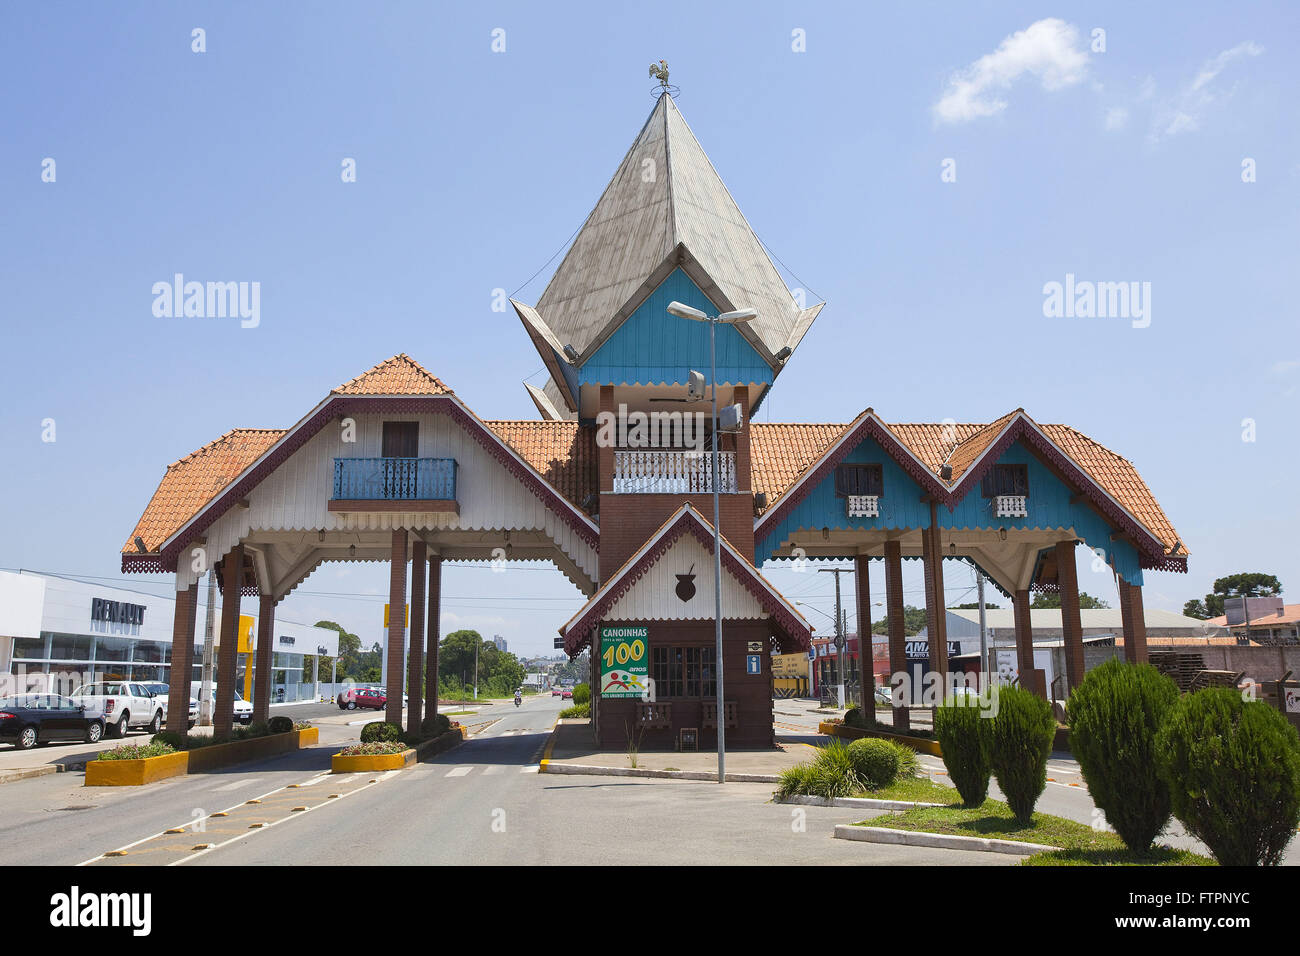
(1048, 49)
(1183, 114)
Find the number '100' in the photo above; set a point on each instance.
(622, 653)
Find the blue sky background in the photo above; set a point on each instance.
(474, 168)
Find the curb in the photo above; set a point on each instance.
(9, 776)
(585, 770)
(943, 841)
(861, 803)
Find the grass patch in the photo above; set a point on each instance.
(915, 789)
(457, 713)
(375, 748)
(994, 819)
(1159, 856)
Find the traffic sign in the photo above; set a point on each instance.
(753, 663)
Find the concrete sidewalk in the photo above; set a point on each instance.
(572, 747)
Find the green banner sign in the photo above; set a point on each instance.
(624, 661)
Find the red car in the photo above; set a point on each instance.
(371, 697)
(567, 695)
(555, 692)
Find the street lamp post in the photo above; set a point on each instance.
(683, 311)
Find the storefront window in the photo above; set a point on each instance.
(29, 648)
(69, 647)
(113, 649)
(684, 671)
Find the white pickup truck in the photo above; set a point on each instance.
(123, 704)
(243, 710)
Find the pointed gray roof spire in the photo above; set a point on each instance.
(665, 207)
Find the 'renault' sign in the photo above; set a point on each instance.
(116, 612)
(624, 661)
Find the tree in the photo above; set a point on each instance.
(350, 656)
(1242, 584)
(1196, 609)
(974, 606)
(1086, 601)
(913, 621)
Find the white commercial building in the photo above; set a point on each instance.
(78, 631)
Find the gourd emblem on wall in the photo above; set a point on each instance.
(686, 584)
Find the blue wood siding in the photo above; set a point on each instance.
(654, 348)
(1048, 505)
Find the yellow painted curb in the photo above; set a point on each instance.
(370, 763)
(919, 744)
(135, 773)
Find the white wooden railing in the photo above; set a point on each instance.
(863, 506)
(1010, 506)
(672, 472)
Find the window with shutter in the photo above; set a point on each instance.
(855, 479)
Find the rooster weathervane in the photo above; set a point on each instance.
(659, 71)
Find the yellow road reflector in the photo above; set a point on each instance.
(222, 813)
(256, 826)
(334, 796)
(175, 830)
(297, 809)
(202, 846)
(115, 853)
(246, 802)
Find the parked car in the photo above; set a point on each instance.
(122, 705)
(555, 692)
(30, 719)
(371, 697)
(163, 692)
(567, 695)
(243, 709)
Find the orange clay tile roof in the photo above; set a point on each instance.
(195, 480)
(1290, 615)
(564, 453)
(399, 375)
(780, 453)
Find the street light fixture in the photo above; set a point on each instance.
(735, 317)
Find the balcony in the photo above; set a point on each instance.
(863, 506)
(672, 472)
(1010, 506)
(394, 484)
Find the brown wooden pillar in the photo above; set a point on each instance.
(866, 668)
(897, 624)
(265, 650)
(1135, 622)
(415, 663)
(434, 600)
(232, 579)
(1071, 626)
(1024, 634)
(396, 627)
(178, 683)
(936, 612)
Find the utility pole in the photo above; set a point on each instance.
(476, 646)
(840, 638)
(209, 643)
(984, 634)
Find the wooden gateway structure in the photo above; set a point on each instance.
(612, 486)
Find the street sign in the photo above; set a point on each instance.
(755, 647)
(624, 661)
(753, 663)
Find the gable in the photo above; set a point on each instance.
(653, 596)
(654, 348)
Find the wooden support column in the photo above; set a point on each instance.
(178, 683)
(897, 625)
(867, 673)
(1135, 623)
(396, 627)
(1024, 634)
(434, 599)
(232, 579)
(1071, 627)
(936, 613)
(265, 648)
(415, 663)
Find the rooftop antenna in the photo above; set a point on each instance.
(659, 71)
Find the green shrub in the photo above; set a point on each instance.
(874, 761)
(435, 725)
(137, 751)
(380, 731)
(279, 724)
(1233, 772)
(169, 738)
(373, 748)
(857, 717)
(831, 773)
(1114, 717)
(794, 781)
(1019, 740)
(580, 710)
(908, 764)
(959, 726)
(581, 694)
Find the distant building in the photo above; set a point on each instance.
(500, 642)
(1280, 624)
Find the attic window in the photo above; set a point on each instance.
(401, 440)
(854, 480)
(1005, 480)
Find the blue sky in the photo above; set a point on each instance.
(474, 167)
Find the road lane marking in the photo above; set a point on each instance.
(491, 769)
(237, 784)
(531, 768)
(460, 771)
